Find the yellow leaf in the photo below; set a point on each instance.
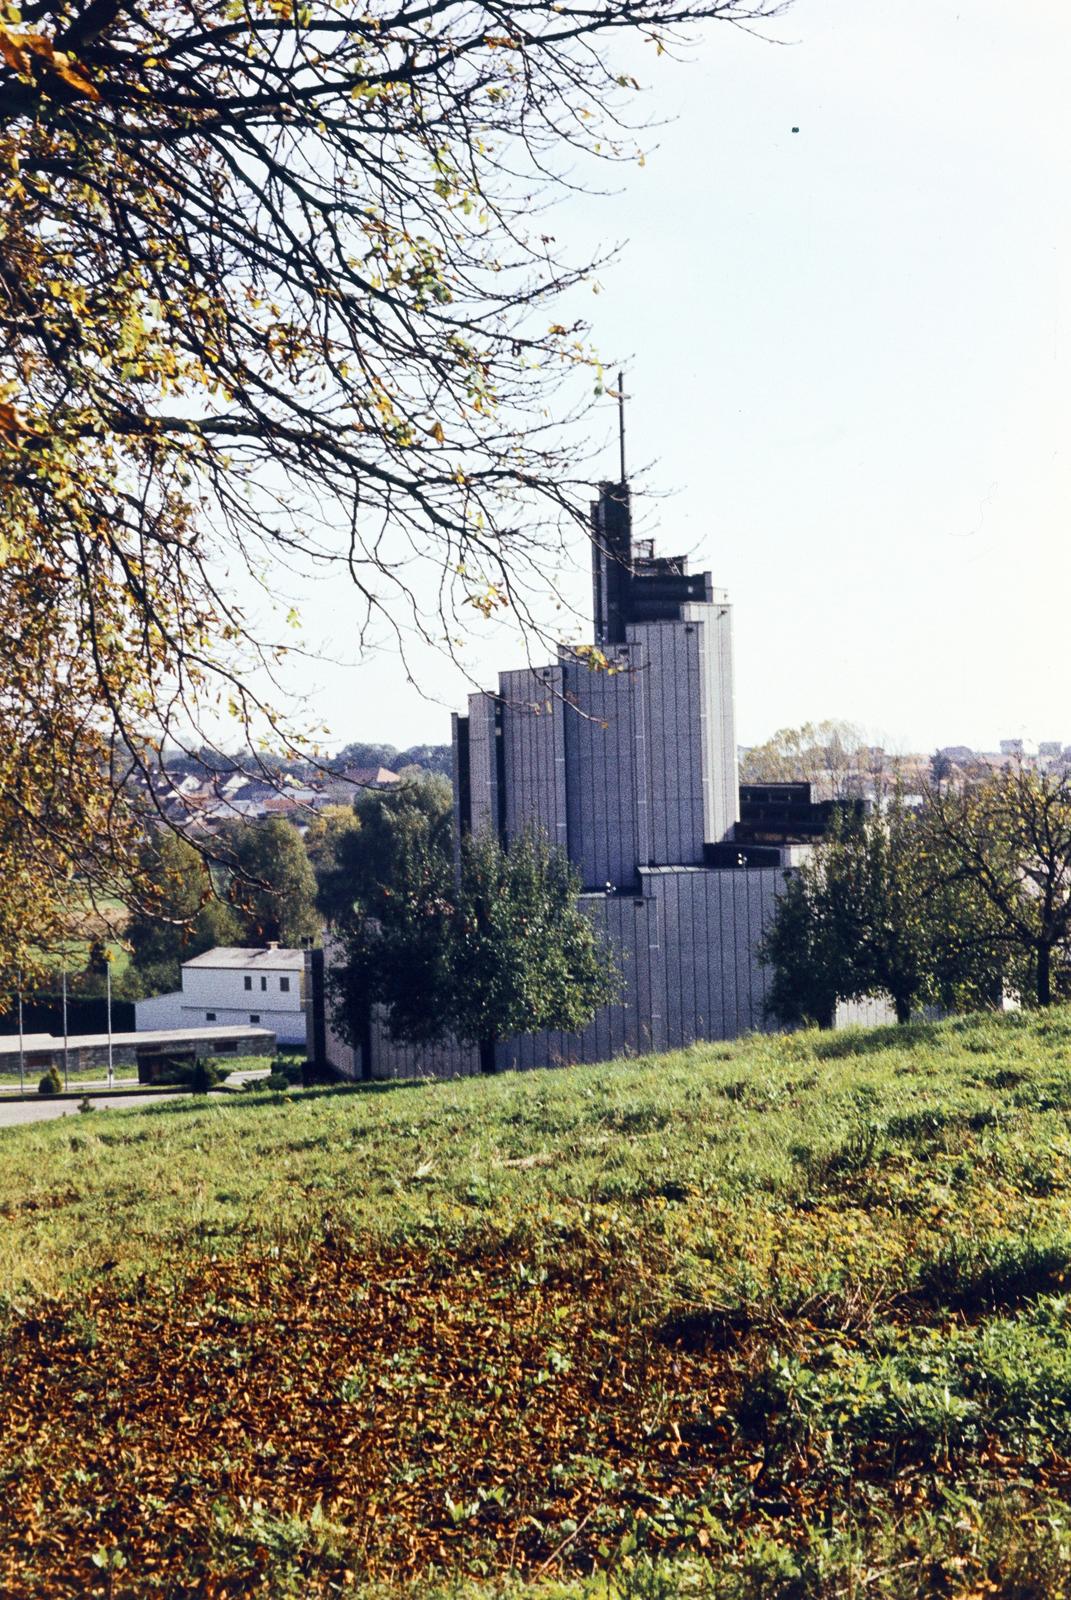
(16, 58)
(71, 75)
(437, 433)
(11, 423)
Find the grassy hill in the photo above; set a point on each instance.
(775, 1319)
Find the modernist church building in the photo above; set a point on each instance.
(631, 768)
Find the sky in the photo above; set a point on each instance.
(847, 369)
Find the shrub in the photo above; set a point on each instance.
(51, 1083)
(276, 1080)
(203, 1075)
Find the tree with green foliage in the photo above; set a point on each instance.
(397, 932)
(874, 912)
(393, 828)
(274, 888)
(328, 844)
(803, 947)
(188, 916)
(1007, 842)
(524, 957)
(498, 949)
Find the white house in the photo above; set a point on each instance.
(235, 987)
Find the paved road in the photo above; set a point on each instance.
(36, 1108)
(13, 1113)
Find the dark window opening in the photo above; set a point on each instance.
(248, 981)
(210, 1016)
(284, 985)
(263, 983)
(254, 1016)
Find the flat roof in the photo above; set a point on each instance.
(34, 1042)
(239, 956)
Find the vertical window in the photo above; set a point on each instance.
(248, 981)
(263, 983)
(284, 985)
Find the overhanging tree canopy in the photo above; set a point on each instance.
(275, 288)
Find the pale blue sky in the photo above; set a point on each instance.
(848, 357)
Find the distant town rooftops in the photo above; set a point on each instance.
(269, 957)
(370, 777)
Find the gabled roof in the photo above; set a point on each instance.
(244, 958)
(370, 777)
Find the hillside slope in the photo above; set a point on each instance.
(779, 1318)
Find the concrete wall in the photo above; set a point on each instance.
(483, 763)
(160, 1011)
(721, 782)
(671, 680)
(712, 921)
(215, 987)
(608, 802)
(533, 722)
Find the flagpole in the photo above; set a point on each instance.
(109, 975)
(66, 1077)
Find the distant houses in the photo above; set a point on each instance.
(203, 801)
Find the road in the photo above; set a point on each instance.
(39, 1108)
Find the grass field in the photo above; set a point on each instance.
(785, 1318)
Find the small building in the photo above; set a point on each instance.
(235, 986)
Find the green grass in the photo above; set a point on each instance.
(838, 1265)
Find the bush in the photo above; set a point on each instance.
(276, 1080)
(51, 1083)
(284, 1067)
(203, 1075)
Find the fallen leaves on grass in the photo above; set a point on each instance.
(383, 1412)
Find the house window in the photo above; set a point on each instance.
(254, 1016)
(284, 985)
(263, 983)
(248, 981)
(210, 1016)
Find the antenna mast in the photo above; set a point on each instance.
(621, 420)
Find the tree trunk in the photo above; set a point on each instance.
(902, 1007)
(366, 1047)
(1045, 975)
(488, 1065)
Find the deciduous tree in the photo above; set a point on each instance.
(524, 956)
(500, 949)
(187, 917)
(1008, 839)
(274, 888)
(276, 291)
